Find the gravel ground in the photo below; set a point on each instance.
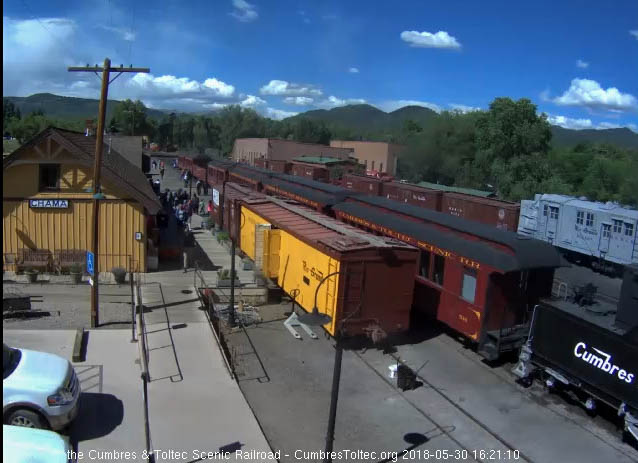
(66, 306)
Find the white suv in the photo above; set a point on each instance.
(39, 390)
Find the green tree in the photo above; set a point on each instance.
(130, 118)
(309, 131)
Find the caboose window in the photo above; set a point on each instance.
(580, 217)
(629, 229)
(590, 220)
(468, 288)
(424, 268)
(617, 225)
(439, 269)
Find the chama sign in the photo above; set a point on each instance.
(49, 203)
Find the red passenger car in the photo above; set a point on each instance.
(480, 281)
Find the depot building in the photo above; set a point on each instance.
(47, 204)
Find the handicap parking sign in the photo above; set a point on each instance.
(90, 259)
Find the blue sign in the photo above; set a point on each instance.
(90, 259)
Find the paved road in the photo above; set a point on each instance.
(66, 306)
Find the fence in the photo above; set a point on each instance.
(220, 327)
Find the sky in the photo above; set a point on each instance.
(576, 60)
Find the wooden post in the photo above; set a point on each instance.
(97, 167)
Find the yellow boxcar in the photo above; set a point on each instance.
(346, 269)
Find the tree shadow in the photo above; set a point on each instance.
(98, 416)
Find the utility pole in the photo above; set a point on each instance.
(106, 71)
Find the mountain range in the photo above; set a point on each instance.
(356, 117)
(67, 107)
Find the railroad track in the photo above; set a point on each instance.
(440, 427)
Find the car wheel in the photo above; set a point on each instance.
(27, 419)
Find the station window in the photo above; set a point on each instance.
(617, 225)
(49, 177)
(424, 268)
(590, 220)
(468, 288)
(606, 230)
(553, 212)
(580, 217)
(439, 269)
(629, 229)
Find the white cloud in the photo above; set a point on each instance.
(569, 123)
(634, 33)
(334, 102)
(251, 101)
(428, 40)
(146, 85)
(221, 88)
(244, 11)
(393, 105)
(283, 88)
(278, 114)
(353, 70)
(125, 34)
(463, 108)
(580, 124)
(589, 94)
(298, 100)
(582, 64)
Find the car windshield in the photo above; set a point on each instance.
(10, 360)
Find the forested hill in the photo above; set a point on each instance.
(371, 119)
(362, 118)
(366, 117)
(65, 107)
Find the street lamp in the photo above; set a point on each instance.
(316, 318)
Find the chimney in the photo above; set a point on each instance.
(89, 128)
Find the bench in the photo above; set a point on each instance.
(66, 258)
(33, 258)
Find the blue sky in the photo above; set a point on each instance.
(578, 61)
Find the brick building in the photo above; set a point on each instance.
(376, 156)
(272, 149)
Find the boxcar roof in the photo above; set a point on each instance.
(324, 199)
(526, 253)
(321, 186)
(314, 228)
(486, 232)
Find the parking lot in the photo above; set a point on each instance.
(111, 414)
